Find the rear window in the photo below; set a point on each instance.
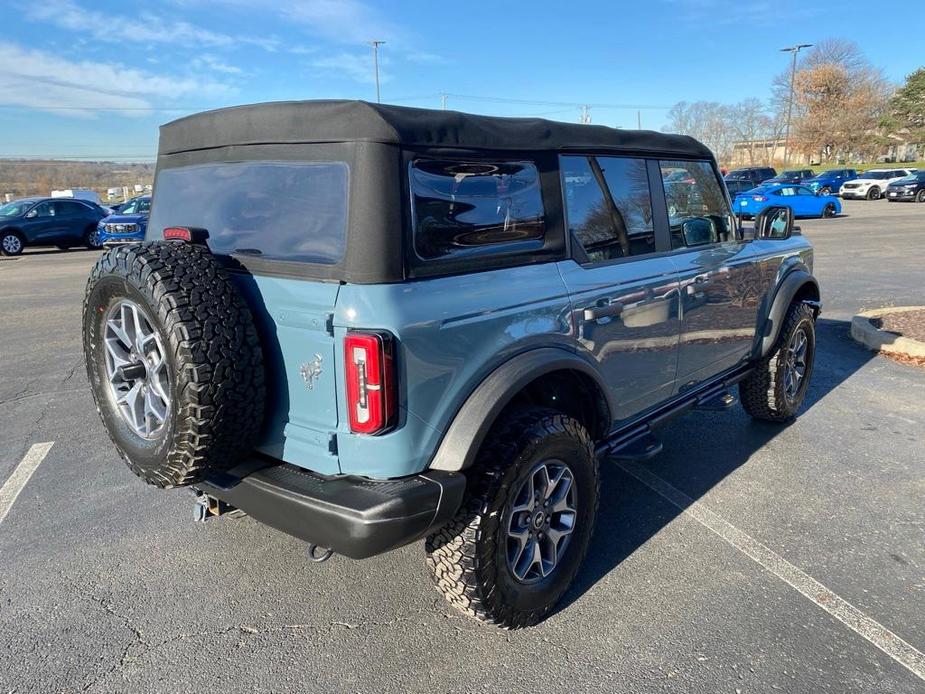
(468, 209)
(295, 211)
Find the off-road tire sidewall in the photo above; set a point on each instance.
(763, 393)
(143, 456)
(210, 343)
(467, 557)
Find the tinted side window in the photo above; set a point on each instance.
(608, 206)
(44, 209)
(69, 209)
(470, 208)
(697, 211)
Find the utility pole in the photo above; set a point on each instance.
(375, 45)
(443, 101)
(793, 50)
(585, 114)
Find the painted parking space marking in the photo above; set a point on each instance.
(899, 650)
(21, 474)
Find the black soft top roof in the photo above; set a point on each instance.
(289, 122)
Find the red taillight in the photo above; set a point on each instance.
(177, 234)
(759, 198)
(188, 234)
(370, 375)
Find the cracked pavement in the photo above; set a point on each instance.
(107, 586)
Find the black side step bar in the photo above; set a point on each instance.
(636, 441)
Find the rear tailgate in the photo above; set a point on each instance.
(293, 318)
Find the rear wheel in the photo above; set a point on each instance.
(777, 387)
(11, 243)
(829, 210)
(522, 533)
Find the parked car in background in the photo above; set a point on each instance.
(48, 222)
(910, 188)
(792, 176)
(872, 185)
(830, 182)
(128, 225)
(738, 186)
(755, 174)
(803, 201)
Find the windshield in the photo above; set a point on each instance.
(295, 211)
(736, 175)
(137, 206)
(791, 174)
(879, 175)
(15, 209)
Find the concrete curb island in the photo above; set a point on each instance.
(878, 340)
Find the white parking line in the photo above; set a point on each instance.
(902, 652)
(14, 485)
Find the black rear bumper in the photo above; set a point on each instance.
(354, 516)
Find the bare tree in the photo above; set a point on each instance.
(706, 121)
(751, 125)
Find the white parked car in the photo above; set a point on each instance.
(871, 185)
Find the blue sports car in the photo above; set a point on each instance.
(803, 201)
(127, 225)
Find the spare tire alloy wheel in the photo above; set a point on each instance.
(11, 244)
(173, 360)
(136, 367)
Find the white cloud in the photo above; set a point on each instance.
(211, 62)
(38, 79)
(145, 27)
(358, 67)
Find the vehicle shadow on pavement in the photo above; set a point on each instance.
(701, 449)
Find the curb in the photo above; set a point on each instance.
(878, 340)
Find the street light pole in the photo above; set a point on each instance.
(375, 45)
(793, 50)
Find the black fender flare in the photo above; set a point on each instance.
(793, 283)
(470, 426)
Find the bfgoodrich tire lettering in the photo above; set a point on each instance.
(767, 394)
(469, 557)
(216, 376)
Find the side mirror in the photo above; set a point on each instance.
(699, 231)
(775, 222)
(32, 214)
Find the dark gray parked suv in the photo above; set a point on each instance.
(366, 325)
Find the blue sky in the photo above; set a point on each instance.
(95, 79)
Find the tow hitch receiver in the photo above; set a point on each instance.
(206, 507)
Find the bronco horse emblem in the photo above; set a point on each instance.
(310, 371)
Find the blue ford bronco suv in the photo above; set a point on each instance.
(366, 325)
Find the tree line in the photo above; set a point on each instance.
(24, 177)
(844, 109)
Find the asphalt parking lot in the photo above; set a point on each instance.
(107, 585)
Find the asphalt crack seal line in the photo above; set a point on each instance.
(14, 485)
(902, 652)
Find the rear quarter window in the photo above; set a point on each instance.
(467, 209)
(293, 211)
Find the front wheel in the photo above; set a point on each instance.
(10, 244)
(873, 193)
(521, 535)
(774, 391)
(920, 196)
(825, 191)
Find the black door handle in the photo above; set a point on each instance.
(605, 311)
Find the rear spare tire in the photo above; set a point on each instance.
(173, 360)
